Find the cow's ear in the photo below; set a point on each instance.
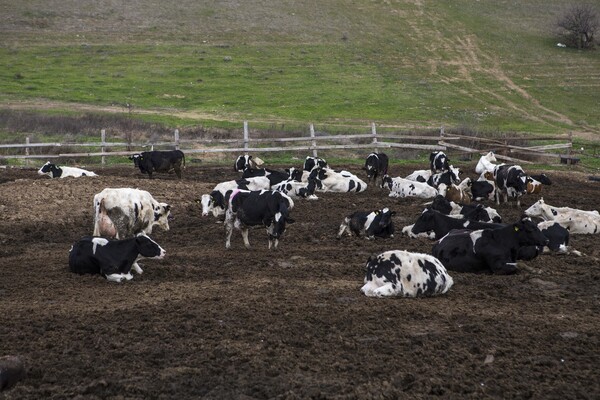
(377, 212)
(167, 207)
(516, 229)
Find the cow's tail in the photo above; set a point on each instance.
(183, 158)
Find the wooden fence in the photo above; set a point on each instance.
(313, 144)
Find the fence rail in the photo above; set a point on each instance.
(314, 144)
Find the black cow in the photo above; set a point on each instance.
(274, 176)
(159, 161)
(375, 164)
(251, 208)
(312, 162)
(438, 161)
(482, 190)
(112, 259)
(542, 178)
(511, 181)
(369, 224)
(494, 250)
(440, 224)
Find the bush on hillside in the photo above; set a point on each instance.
(577, 26)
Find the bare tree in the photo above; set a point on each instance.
(578, 25)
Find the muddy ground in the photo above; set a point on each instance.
(290, 324)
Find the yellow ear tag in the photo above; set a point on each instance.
(516, 229)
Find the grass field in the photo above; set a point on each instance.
(488, 65)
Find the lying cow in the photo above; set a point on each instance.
(375, 164)
(421, 175)
(311, 163)
(576, 221)
(159, 161)
(400, 187)
(122, 213)
(373, 224)
(272, 175)
(54, 171)
(447, 177)
(475, 212)
(400, 273)
(216, 202)
(329, 180)
(266, 208)
(438, 161)
(293, 188)
(558, 238)
(492, 250)
(440, 224)
(511, 182)
(114, 259)
(484, 188)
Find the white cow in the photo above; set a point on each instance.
(328, 180)
(486, 163)
(54, 171)
(400, 273)
(400, 187)
(420, 175)
(575, 220)
(124, 212)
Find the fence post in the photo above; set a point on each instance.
(176, 133)
(103, 141)
(27, 150)
(313, 143)
(374, 133)
(246, 136)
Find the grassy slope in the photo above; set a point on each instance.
(483, 64)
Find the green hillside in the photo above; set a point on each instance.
(487, 65)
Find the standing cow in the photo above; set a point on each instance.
(375, 164)
(511, 182)
(159, 161)
(400, 273)
(124, 212)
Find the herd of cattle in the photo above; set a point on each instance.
(469, 237)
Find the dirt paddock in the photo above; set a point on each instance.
(209, 323)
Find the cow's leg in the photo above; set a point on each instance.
(245, 237)
(229, 223)
(385, 290)
(136, 267)
(273, 243)
(343, 227)
(114, 277)
(178, 172)
(128, 276)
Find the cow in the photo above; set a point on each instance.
(311, 163)
(241, 163)
(542, 178)
(329, 180)
(576, 221)
(486, 163)
(511, 181)
(375, 164)
(484, 188)
(255, 208)
(400, 187)
(272, 175)
(54, 171)
(440, 224)
(159, 161)
(421, 175)
(401, 273)
(407, 230)
(533, 186)
(293, 188)
(373, 224)
(459, 193)
(124, 212)
(475, 212)
(494, 250)
(216, 201)
(113, 259)
(447, 177)
(438, 161)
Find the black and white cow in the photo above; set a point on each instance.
(274, 176)
(400, 187)
(438, 161)
(440, 224)
(124, 212)
(54, 171)
(260, 208)
(558, 237)
(375, 164)
(511, 181)
(329, 180)
(216, 201)
(448, 177)
(421, 175)
(113, 259)
(400, 273)
(494, 250)
(242, 163)
(159, 161)
(542, 178)
(311, 163)
(475, 212)
(484, 188)
(575, 220)
(373, 224)
(294, 188)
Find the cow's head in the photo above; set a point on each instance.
(371, 165)
(309, 190)
(454, 174)
(313, 162)
(528, 233)
(162, 215)
(425, 222)
(536, 209)
(49, 169)
(137, 160)
(386, 182)
(294, 174)
(149, 248)
(241, 163)
(385, 217)
(277, 224)
(441, 204)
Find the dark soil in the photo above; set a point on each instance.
(205, 322)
